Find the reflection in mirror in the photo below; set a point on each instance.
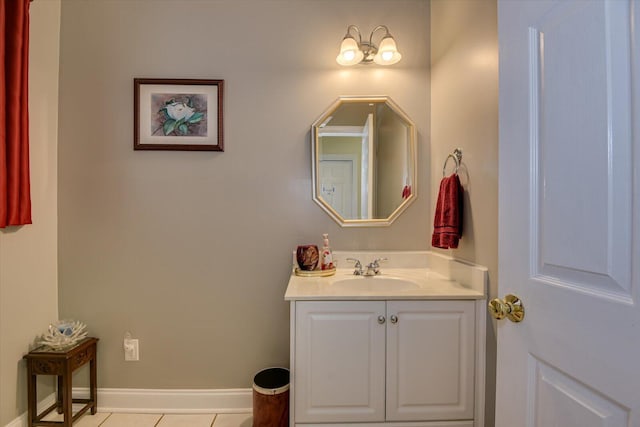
(364, 161)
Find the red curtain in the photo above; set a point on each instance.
(15, 197)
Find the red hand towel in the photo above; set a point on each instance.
(447, 223)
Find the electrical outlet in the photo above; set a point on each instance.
(131, 349)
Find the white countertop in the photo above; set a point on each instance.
(426, 284)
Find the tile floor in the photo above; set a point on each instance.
(103, 419)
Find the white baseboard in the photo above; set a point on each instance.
(128, 400)
(23, 421)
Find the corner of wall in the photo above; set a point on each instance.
(28, 254)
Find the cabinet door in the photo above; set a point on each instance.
(430, 360)
(339, 362)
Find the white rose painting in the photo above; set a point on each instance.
(178, 114)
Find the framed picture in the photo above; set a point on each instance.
(178, 114)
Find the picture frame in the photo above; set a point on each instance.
(178, 114)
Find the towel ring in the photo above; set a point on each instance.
(457, 158)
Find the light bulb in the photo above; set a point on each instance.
(387, 52)
(349, 55)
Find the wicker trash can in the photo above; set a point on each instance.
(271, 398)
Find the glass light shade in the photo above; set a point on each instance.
(387, 52)
(350, 53)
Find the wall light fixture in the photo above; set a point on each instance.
(354, 52)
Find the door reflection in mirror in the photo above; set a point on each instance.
(364, 161)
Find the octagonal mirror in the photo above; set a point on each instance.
(364, 161)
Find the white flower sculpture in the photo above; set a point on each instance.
(63, 333)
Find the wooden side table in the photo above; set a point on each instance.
(62, 363)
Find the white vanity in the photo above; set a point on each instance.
(405, 348)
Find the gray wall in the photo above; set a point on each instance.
(28, 254)
(464, 113)
(191, 252)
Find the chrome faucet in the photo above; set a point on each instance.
(373, 268)
(358, 267)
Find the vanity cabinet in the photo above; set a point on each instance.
(389, 363)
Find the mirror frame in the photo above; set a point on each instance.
(373, 222)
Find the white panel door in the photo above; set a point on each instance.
(569, 213)
(340, 361)
(430, 360)
(338, 185)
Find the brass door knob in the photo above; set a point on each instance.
(510, 307)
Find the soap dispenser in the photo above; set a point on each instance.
(326, 257)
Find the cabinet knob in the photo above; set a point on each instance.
(381, 319)
(394, 318)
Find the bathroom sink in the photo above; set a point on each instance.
(405, 276)
(375, 284)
